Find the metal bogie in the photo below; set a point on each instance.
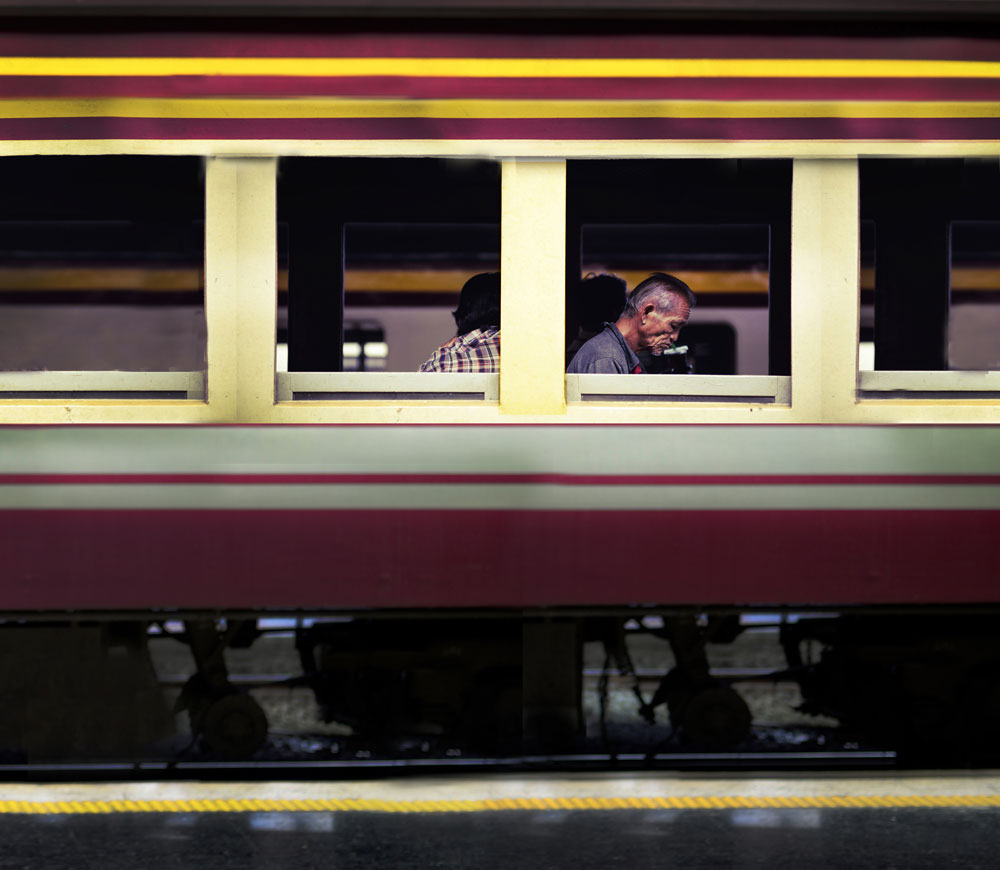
(926, 686)
(418, 678)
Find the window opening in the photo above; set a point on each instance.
(103, 274)
(721, 226)
(376, 252)
(933, 308)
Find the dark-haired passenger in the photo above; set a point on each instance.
(476, 347)
(655, 312)
(599, 299)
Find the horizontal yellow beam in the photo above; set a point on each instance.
(330, 107)
(43, 279)
(478, 67)
(562, 149)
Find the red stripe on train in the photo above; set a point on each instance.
(946, 90)
(498, 41)
(480, 479)
(624, 129)
(342, 559)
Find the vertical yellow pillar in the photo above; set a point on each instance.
(533, 280)
(825, 289)
(240, 286)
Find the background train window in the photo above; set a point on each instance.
(933, 229)
(974, 318)
(723, 226)
(373, 253)
(365, 347)
(102, 270)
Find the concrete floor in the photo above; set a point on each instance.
(789, 821)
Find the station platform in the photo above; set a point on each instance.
(581, 821)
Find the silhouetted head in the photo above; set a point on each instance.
(600, 300)
(479, 303)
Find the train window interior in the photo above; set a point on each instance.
(930, 293)
(729, 266)
(372, 255)
(723, 227)
(102, 277)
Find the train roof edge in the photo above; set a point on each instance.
(958, 11)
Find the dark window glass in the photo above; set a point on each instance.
(102, 264)
(933, 227)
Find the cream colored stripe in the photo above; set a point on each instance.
(458, 450)
(456, 109)
(589, 149)
(499, 67)
(364, 805)
(498, 497)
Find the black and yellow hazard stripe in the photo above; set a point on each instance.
(369, 805)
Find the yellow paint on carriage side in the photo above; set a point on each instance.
(533, 281)
(222, 251)
(57, 412)
(923, 411)
(342, 107)
(502, 804)
(257, 279)
(618, 149)
(494, 67)
(826, 276)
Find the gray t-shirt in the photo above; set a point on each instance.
(605, 354)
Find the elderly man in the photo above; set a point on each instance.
(654, 314)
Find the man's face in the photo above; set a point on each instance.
(658, 330)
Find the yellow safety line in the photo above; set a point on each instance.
(332, 107)
(448, 67)
(298, 805)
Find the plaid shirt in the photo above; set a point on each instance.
(476, 351)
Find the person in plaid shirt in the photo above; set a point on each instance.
(476, 348)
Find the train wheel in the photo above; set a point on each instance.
(716, 718)
(234, 726)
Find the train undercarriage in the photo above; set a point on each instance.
(921, 685)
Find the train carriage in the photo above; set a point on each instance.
(228, 241)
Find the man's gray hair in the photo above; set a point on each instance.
(662, 291)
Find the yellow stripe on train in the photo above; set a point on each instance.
(460, 67)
